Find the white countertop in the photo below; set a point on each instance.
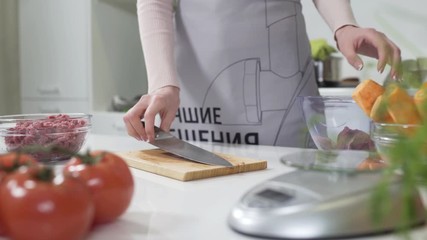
(164, 208)
(167, 209)
(336, 91)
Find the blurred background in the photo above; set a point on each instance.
(85, 55)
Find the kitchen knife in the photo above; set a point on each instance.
(174, 145)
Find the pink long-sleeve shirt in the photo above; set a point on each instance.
(156, 29)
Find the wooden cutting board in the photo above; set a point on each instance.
(163, 163)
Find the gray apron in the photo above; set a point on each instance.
(241, 65)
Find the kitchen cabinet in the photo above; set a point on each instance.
(54, 106)
(110, 123)
(75, 55)
(9, 69)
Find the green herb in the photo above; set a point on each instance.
(321, 50)
(406, 155)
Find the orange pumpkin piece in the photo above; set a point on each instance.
(401, 106)
(420, 100)
(366, 93)
(372, 163)
(379, 112)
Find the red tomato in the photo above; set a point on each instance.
(109, 179)
(38, 205)
(2, 228)
(9, 163)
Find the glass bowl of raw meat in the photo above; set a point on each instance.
(337, 123)
(47, 137)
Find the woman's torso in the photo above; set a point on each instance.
(241, 65)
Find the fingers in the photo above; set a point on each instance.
(164, 101)
(384, 50)
(375, 44)
(396, 60)
(167, 121)
(388, 53)
(352, 58)
(371, 43)
(383, 56)
(132, 120)
(149, 119)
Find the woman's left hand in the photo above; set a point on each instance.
(352, 41)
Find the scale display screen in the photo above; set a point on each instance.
(274, 195)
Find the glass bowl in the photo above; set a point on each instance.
(37, 134)
(400, 140)
(335, 161)
(337, 123)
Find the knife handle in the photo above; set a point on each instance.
(159, 133)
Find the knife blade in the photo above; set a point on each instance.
(176, 146)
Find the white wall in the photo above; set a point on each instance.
(402, 21)
(118, 62)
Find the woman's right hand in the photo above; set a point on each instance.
(163, 101)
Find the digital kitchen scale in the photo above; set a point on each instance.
(329, 196)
